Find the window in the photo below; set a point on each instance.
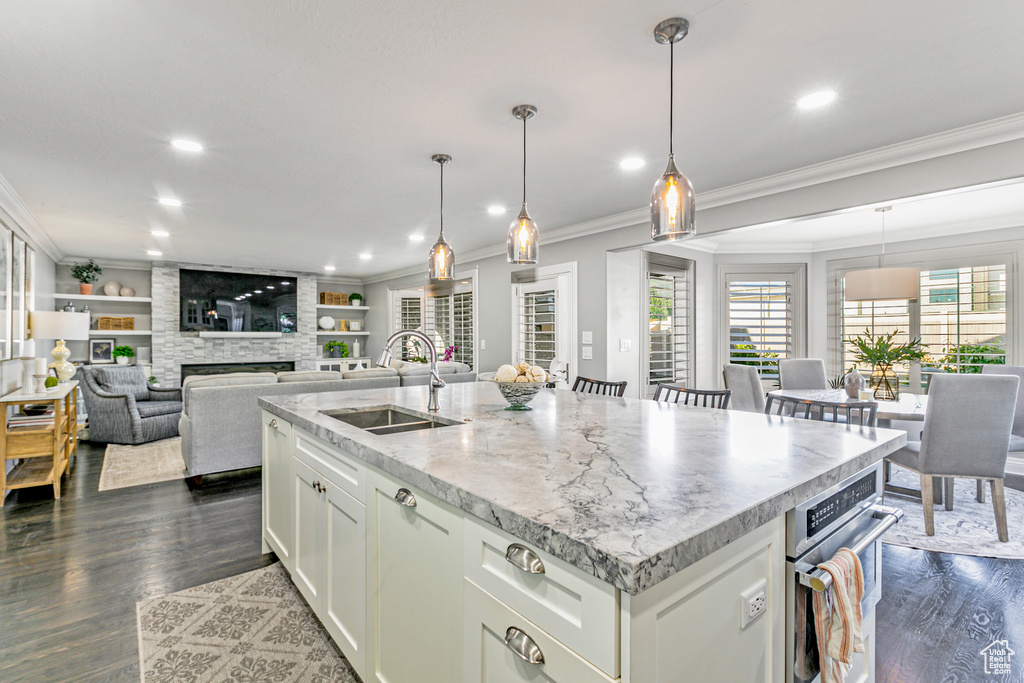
(960, 317)
(443, 313)
(669, 357)
(544, 318)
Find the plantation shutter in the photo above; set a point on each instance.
(407, 315)
(963, 317)
(462, 327)
(761, 324)
(669, 338)
(537, 327)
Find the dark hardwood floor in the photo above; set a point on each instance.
(72, 570)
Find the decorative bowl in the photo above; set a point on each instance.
(518, 394)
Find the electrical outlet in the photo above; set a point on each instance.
(753, 603)
(588, 353)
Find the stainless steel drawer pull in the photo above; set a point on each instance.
(316, 485)
(523, 646)
(273, 424)
(405, 497)
(523, 558)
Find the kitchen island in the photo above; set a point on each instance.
(601, 538)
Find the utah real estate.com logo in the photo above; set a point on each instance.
(998, 657)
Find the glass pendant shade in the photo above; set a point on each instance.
(441, 262)
(672, 206)
(523, 239)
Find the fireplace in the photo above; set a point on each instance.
(222, 368)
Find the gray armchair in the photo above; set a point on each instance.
(124, 408)
(966, 434)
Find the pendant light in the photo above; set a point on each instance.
(879, 284)
(523, 238)
(441, 262)
(672, 199)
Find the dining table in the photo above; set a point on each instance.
(906, 407)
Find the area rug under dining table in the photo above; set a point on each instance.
(968, 529)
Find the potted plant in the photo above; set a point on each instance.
(86, 274)
(336, 349)
(355, 299)
(154, 381)
(123, 354)
(881, 352)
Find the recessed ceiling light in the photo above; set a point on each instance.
(816, 99)
(496, 210)
(631, 163)
(153, 252)
(170, 201)
(366, 257)
(160, 233)
(415, 238)
(328, 267)
(187, 145)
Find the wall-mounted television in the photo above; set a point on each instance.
(216, 301)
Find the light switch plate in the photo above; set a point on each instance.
(483, 344)
(588, 337)
(625, 345)
(588, 353)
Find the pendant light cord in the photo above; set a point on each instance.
(524, 160)
(442, 198)
(671, 93)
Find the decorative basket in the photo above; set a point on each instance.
(333, 299)
(115, 323)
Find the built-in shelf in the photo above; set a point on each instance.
(334, 307)
(331, 333)
(93, 297)
(120, 333)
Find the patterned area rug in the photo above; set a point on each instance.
(148, 463)
(254, 627)
(968, 529)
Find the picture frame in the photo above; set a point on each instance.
(355, 325)
(101, 351)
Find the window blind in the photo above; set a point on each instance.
(669, 349)
(537, 327)
(760, 322)
(462, 326)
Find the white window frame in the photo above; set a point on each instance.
(795, 273)
(945, 258)
(421, 292)
(657, 261)
(563, 277)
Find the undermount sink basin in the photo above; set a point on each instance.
(383, 420)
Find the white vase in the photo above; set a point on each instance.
(126, 291)
(122, 360)
(112, 288)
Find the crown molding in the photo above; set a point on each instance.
(23, 221)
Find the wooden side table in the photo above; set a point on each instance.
(45, 445)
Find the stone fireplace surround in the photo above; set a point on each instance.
(173, 348)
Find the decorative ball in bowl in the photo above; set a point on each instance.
(517, 386)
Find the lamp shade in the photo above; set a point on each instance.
(878, 284)
(59, 325)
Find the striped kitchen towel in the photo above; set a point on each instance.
(837, 616)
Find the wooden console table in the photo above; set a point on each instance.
(44, 445)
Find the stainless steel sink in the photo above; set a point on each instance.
(383, 420)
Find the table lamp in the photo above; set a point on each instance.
(60, 326)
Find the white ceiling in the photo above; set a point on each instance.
(961, 212)
(320, 118)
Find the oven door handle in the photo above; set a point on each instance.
(819, 579)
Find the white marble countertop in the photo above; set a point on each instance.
(628, 490)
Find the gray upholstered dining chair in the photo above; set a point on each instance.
(966, 434)
(745, 385)
(1017, 432)
(802, 373)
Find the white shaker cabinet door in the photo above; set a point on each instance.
(418, 574)
(308, 537)
(344, 606)
(277, 506)
(529, 655)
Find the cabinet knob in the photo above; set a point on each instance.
(273, 424)
(523, 558)
(523, 645)
(405, 497)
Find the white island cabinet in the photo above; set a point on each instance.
(592, 540)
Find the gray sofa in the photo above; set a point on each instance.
(220, 420)
(418, 374)
(124, 408)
